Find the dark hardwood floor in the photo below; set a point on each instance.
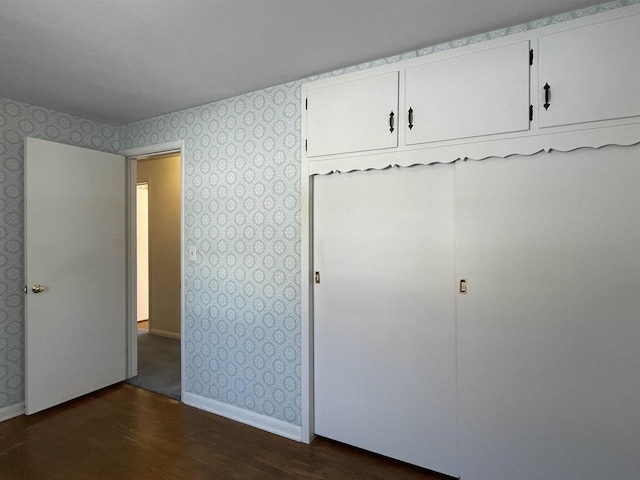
(124, 432)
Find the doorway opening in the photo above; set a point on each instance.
(156, 272)
(142, 247)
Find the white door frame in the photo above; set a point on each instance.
(132, 155)
(306, 301)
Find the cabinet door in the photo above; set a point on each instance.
(384, 313)
(549, 331)
(353, 116)
(481, 93)
(591, 72)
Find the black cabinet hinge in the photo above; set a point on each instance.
(531, 57)
(305, 145)
(531, 113)
(306, 104)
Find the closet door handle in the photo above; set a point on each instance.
(410, 118)
(391, 122)
(547, 96)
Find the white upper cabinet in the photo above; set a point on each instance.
(353, 116)
(580, 88)
(480, 93)
(590, 73)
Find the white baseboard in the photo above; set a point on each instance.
(164, 333)
(247, 417)
(11, 411)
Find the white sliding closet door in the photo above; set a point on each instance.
(549, 332)
(384, 313)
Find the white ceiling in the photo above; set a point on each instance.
(118, 61)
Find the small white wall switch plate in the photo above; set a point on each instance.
(192, 253)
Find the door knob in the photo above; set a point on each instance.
(37, 288)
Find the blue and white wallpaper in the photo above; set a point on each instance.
(242, 195)
(242, 199)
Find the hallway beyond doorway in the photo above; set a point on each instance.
(158, 365)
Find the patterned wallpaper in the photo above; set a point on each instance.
(242, 201)
(19, 120)
(243, 215)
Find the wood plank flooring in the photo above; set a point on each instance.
(124, 432)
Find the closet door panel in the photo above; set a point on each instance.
(384, 322)
(549, 331)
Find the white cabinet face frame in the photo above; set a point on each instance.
(624, 132)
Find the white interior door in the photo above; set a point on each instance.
(549, 331)
(384, 313)
(75, 248)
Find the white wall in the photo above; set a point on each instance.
(142, 239)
